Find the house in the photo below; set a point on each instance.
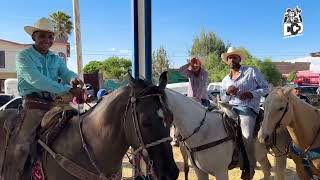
(8, 51)
(286, 67)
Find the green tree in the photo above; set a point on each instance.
(115, 67)
(160, 62)
(217, 69)
(270, 72)
(92, 67)
(63, 25)
(292, 76)
(207, 43)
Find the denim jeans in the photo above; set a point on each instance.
(247, 122)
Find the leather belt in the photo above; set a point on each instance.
(36, 103)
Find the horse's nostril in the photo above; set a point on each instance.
(266, 139)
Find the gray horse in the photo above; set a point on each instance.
(136, 116)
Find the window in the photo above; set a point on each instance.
(1, 85)
(2, 59)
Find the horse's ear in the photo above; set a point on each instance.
(163, 80)
(271, 87)
(287, 90)
(131, 79)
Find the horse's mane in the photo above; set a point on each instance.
(189, 100)
(283, 93)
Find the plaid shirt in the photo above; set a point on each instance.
(197, 84)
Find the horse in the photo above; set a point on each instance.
(284, 109)
(136, 115)
(215, 160)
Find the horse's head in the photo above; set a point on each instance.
(276, 113)
(148, 127)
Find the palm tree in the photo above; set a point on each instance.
(63, 25)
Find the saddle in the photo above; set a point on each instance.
(227, 109)
(232, 126)
(53, 122)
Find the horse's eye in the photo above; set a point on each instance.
(146, 123)
(282, 108)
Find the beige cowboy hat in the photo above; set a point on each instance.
(232, 51)
(43, 24)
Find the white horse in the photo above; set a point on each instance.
(215, 160)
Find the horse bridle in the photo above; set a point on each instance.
(143, 147)
(274, 135)
(142, 150)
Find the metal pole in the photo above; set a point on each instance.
(142, 58)
(148, 39)
(77, 33)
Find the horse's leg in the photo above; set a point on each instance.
(261, 156)
(280, 167)
(301, 172)
(184, 154)
(200, 174)
(222, 175)
(266, 167)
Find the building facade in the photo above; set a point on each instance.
(286, 67)
(8, 51)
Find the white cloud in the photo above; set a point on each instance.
(315, 62)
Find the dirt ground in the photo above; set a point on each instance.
(233, 174)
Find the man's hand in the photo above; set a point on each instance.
(78, 93)
(232, 90)
(245, 96)
(74, 82)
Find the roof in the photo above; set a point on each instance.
(21, 44)
(15, 43)
(287, 67)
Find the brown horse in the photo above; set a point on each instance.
(136, 116)
(282, 108)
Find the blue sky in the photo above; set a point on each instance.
(106, 26)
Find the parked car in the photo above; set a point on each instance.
(214, 90)
(179, 87)
(14, 103)
(90, 91)
(4, 98)
(308, 90)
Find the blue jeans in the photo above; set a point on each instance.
(247, 122)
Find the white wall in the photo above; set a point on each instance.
(11, 50)
(10, 53)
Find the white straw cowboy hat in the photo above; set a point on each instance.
(232, 51)
(43, 24)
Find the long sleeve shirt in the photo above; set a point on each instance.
(249, 80)
(39, 73)
(198, 85)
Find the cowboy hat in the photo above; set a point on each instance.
(232, 51)
(43, 24)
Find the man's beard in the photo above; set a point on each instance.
(235, 66)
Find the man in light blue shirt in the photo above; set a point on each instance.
(243, 88)
(38, 71)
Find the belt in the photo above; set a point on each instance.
(46, 96)
(36, 103)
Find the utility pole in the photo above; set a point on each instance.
(77, 33)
